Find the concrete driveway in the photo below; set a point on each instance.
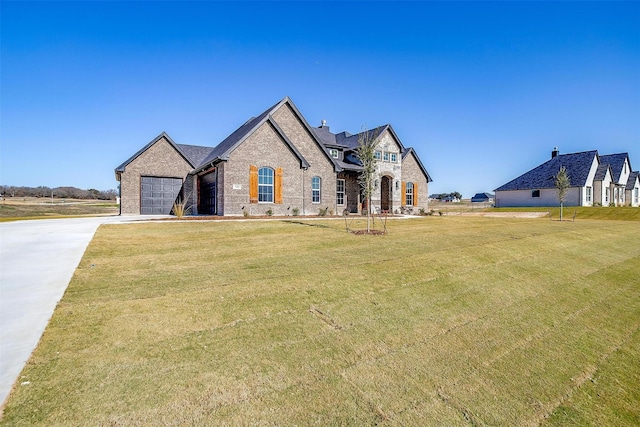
(37, 260)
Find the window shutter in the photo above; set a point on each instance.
(278, 186)
(253, 184)
(403, 199)
(415, 194)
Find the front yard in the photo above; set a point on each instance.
(446, 320)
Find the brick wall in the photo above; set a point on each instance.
(320, 165)
(264, 148)
(411, 172)
(161, 159)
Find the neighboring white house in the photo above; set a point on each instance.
(594, 180)
(632, 190)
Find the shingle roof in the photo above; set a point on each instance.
(601, 172)
(482, 196)
(195, 153)
(577, 165)
(224, 149)
(631, 182)
(616, 161)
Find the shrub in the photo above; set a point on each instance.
(269, 212)
(295, 211)
(323, 211)
(245, 213)
(180, 208)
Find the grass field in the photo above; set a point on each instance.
(444, 321)
(19, 208)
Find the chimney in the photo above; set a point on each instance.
(555, 152)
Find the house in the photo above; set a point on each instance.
(594, 180)
(632, 189)
(482, 198)
(273, 162)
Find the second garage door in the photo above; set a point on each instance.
(158, 194)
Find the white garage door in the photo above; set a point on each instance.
(158, 194)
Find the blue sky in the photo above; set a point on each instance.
(482, 90)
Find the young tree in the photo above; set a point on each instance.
(366, 153)
(562, 185)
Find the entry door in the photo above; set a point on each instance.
(385, 193)
(158, 194)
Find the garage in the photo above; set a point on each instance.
(158, 194)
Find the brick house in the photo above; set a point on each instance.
(275, 161)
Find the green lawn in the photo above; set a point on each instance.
(444, 321)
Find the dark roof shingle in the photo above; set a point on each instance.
(577, 165)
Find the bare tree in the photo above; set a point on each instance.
(562, 184)
(366, 153)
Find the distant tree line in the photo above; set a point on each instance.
(58, 192)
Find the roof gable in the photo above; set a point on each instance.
(634, 177)
(578, 166)
(616, 161)
(221, 151)
(411, 151)
(603, 170)
(190, 153)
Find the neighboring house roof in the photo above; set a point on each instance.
(631, 182)
(601, 172)
(616, 161)
(577, 165)
(191, 153)
(482, 196)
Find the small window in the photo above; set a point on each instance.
(315, 189)
(386, 156)
(394, 157)
(588, 194)
(334, 153)
(378, 155)
(340, 192)
(409, 194)
(535, 193)
(265, 185)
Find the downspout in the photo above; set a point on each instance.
(304, 208)
(120, 197)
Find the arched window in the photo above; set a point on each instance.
(315, 189)
(265, 185)
(408, 200)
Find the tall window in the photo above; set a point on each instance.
(378, 155)
(636, 195)
(385, 156)
(265, 185)
(394, 157)
(606, 195)
(340, 192)
(408, 195)
(588, 194)
(315, 189)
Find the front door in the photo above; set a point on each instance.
(385, 193)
